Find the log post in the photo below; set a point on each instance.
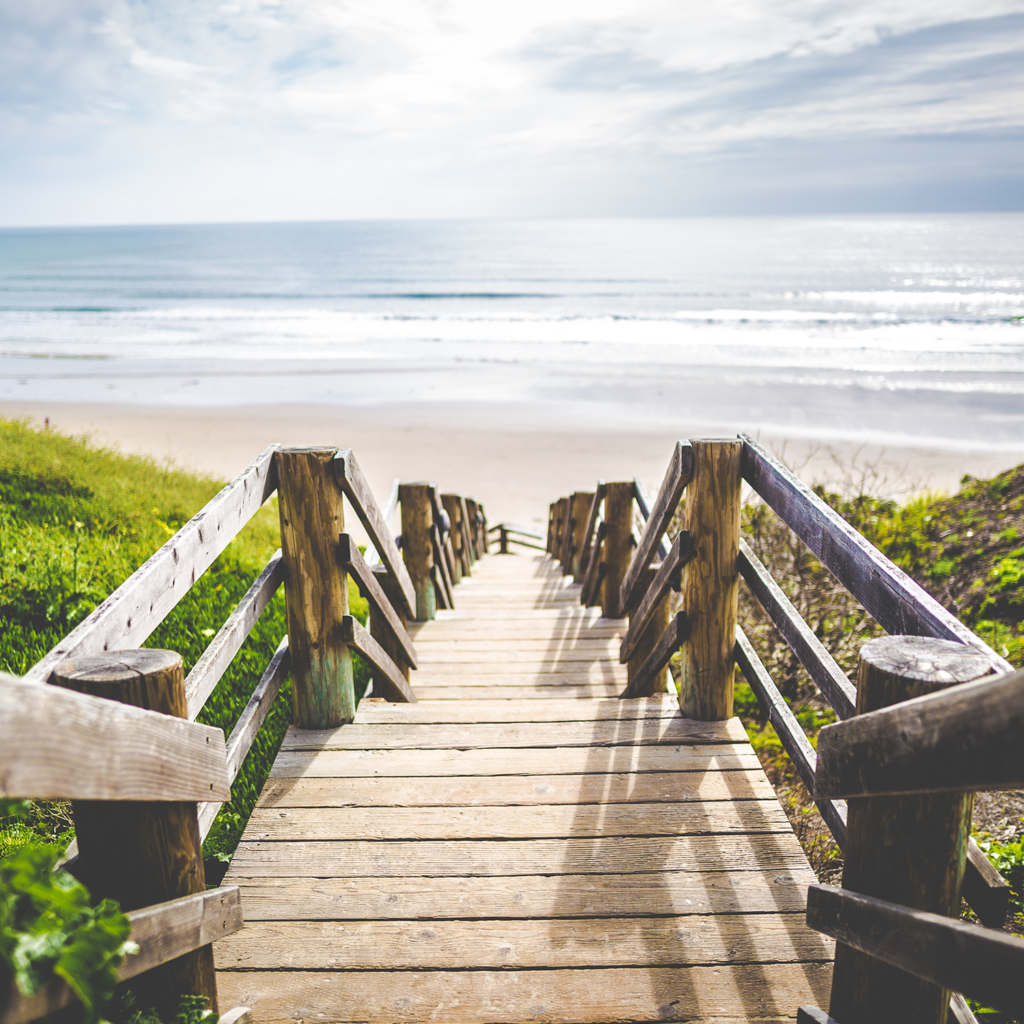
(582, 501)
(649, 640)
(142, 853)
(710, 586)
(417, 547)
(316, 587)
(381, 631)
(904, 849)
(564, 554)
(549, 544)
(453, 508)
(502, 540)
(618, 544)
(557, 535)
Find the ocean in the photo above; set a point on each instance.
(904, 329)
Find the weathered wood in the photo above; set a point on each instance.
(417, 518)
(647, 640)
(640, 732)
(984, 888)
(441, 577)
(583, 691)
(467, 531)
(978, 962)
(162, 933)
(820, 665)
(508, 761)
(453, 506)
(142, 853)
(500, 996)
(600, 647)
(812, 1015)
(63, 745)
(895, 601)
(237, 1015)
(387, 514)
(667, 578)
(905, 849)
(554, 943)
(316, 589)
(358, 492)
(248, 726)
(596, 571)
(680, 893)
(564, 554)
(388, 680)
(582, 502)
(643, 505)
(518, 790)
(476, 525)
(710, 579)
(671, 639)
(381, 607)
(589, 540)
(965, 739)
(680, 469)
(131, 613)
(618, 545)
(789, 731)
(507, 857)
(207, 671)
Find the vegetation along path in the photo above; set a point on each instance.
(521, 844)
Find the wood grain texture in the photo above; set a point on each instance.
(417, 547)
(644, 506)
(63, 745)
(820, 665)
(483, 711)
(665, 579)
(131, 613)
(389, 682)
(162, 932)
(710, 579)
(618, 545)
(677, 475)
(207, 671)
(980, 963)
(582, 502)
(766, 993)
(357, 490)
(896, 602)
(453, 506)
(669, 642)
(312, 518)
(409, 899)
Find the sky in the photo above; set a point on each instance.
(165, 111)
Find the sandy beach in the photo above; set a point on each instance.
(515, 465)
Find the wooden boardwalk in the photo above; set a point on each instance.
(521, 845)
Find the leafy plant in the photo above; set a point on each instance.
(49, 929)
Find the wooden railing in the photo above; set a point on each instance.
(590, 534)
(509, 534)
(166, 761)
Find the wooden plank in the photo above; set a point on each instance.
(765, 992)
(789, 731)
(594, 647)
(59, 744)
(163, 932)
(552, 943)
(459, 631)
(643, 504)
(207, 671)
(465, 857)
(509, 761)
(518, 790)
(680, 893)
(373, 712)
(531, 693)
(680, 469)
(358, 638)
(237, 1015)
(131, 613)
(977, 962)
(637, 733)
(358, 492)
(387, 515)
(820, 665)
(350, 557)
(678, 630)
(608, 674)
(604, 820)
(440, 570)
(248, 726)
(896, 602)
(666, 578)
(963, 739)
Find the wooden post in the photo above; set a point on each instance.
(618, 544)
(143, 853)
(453, 507)
(557, 537)
(564, 553)
(710, 586)
(502, 540)
(649, 640)
(904, 849)
(381, 631)
(580, 514)
(550, 543)
(316, 587)
(417, 547)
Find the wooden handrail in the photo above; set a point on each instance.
(596, 570)
(213, 663)
(62, 745)
(677, 632)
(387, 514)
(131, 613)
(357, 637)
(643, 504)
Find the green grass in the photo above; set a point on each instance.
(75, 521)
